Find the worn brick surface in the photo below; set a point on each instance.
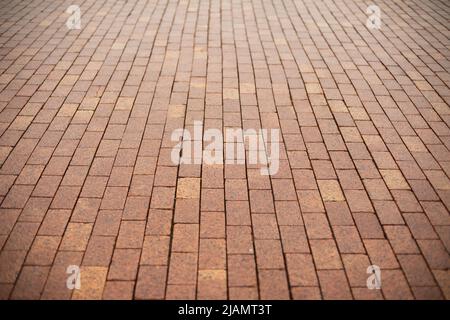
(87, 180)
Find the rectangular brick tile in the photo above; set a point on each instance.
(92, 283)
(155, 250)
(273, 285)
(124, 265)
(99, 251)
(185, 238)
(183, 268)
(301, 270)
(334, 285)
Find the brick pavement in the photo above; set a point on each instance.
(86, 118)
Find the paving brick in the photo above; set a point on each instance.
(355, 266)
(76, 237)
(301, 270)
(416, 270)
(118, 290)
(317, 226)
(155, 250)
(358, 201)
(185, 238)
(367, 294)
(10, 265)
(35, 209)
(212, 225)
(183, 268)
(261, 201)
(269, 254)
(330, 190)
(236, 189)
(348, 239)
(265, 226)
(43, 250)
(283, 189)
(99, 251)
(21, 237)
(350, 180)
(395, 286)
(120, 177)
(294, 239)
(434, 253)
(441, 277)
(180, 292)
(124, 264)
(55, 222)
(427, 293)
(388, 212)
(406, 201)
(94, 187)
(30, 283)
(131, 234)
(304, 179)
(257, 181)
(419, 226)
(239, 240)
(65, 198)
(142, 185)
(243, 293)
(212, 285)
(241, 270)
(338, 213)
(114, 198)
(165, 176)
(273, 285)
(187, 211)
(107, 223)
(212, 254)
(212, 200)
(17, 197)
(92, 283)
(151, 282)
(436, 212)
(368, 225)
(325, 254)
(381, 254)
(288, 213)
(238, 213)
(159, 222)
(401, 239)
(310, 201)
(188, 188)
(377, 190)
(306, 293)
(394, 179)
(87, 138)
(85, 210)
(136, 208)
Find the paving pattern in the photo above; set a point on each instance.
(87, 181)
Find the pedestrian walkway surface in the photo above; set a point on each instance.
(92, 205)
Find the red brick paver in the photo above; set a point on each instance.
(86, 177)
